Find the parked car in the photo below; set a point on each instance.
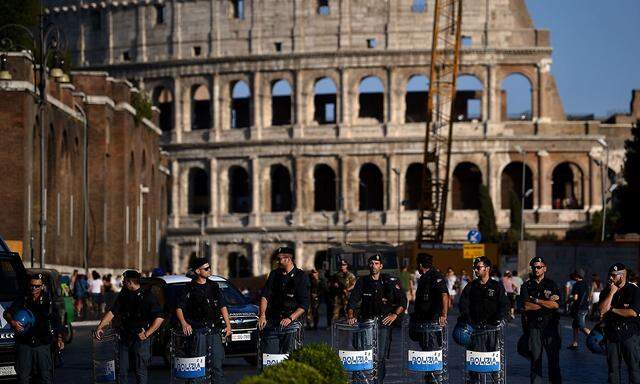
(52, 288)
(243, 316)
(13, 280)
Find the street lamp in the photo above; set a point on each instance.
(49, 43)
(604, 167)
(143, 191)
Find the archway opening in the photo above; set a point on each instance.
(281, 196)
(417, 94)
(324, 101)
(324, 188)
(465, 186)
(516, 100)
(568, 187)
(239, 190)
(199, 191)
(240, 105)
(371, 191)
(468, 103)
(371, 98)
(238, 265)
(281, 103)
(163, 99)
(413, 186)
(200, 107)
(511, 183)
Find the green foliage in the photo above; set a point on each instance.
(257, 380)
(293, 372)
(324, 359)
(515, 206)
(593, 230)
(487, 217)
(140, 101)
(629, 203)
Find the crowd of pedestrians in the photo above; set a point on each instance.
(92, 294)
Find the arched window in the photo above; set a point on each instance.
(200, 107)
(163, 99)
(413, 187)
(511, 183)
(324, 188)
(568, 186)
(324, 101)
(416, 99)
(516, 98)
(281, 200)
(465, 186)
(371, 98)
(240, 105)
(237, 9)
(238, 265)
(281, 103)
(323, 7)
(468, 103)
(371, 188)
(199, 199)
(239, 190)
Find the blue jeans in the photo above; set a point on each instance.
(579, 319)
(141, 351)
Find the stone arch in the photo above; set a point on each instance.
(371, 188)
(200, 107)
(371, 98)
(324, 188)
(281, 103)
(325, 101)
(516, 98)
(163, 99)
(240, 105)
(413, 185)
(465, 186)
(199, 191)
(239, 265)
(239, 190)
(281, 194)
(567, 186)
(511, 182)
(416, 96)
(322, 7)
(468, 103)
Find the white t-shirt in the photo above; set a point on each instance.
(451, 280)
(95, 286)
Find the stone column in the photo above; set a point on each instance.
(109, 20)
(177, 108)
(82, 44)
(213, 192)
(176, 30)
(344, 120)
(344, 29)
(255, 190)
(256, 261)
(256, 107)
(493, 94)
(539, 107)
(175, 193)
(544, 181)
(393, 101)
(342, 181)
(485, 98)
(300, 205)
(394, 187)
(299, 118)
(305, 263)
(215, 106)
(175, 258)
(214, 256)
(141, 54)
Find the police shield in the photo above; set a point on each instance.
(192, 356)
(484, 360)
(104, 357)
(277, 342)
(357, 347)
(425, 349)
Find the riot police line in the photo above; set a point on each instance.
(362, 341)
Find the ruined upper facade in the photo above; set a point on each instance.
(302, 121)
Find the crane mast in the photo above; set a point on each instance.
(445, 58)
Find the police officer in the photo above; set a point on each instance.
(484, 305)
(540, 298)
(341, 285)
(431, 305)
(284, 301)
(139, 315)
(620, 308)
(199, 310)
(379, 296)
(33, 345)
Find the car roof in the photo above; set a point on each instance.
(177, 279)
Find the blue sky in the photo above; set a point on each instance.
(596, 58)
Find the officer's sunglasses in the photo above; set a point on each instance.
(36, 286)
(206, 269)
(479, 267)
(537, 266)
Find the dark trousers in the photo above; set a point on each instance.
(429, 341)
(364, 340)
(278, 340)
(627, 349)
(484, 339)
(28, 357)
(213, 340)
(141, 351)
(548, 339)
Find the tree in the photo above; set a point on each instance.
(629, 203)
(487, 217)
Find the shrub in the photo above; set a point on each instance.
(324, 360)
(293, 372)
(257, 380)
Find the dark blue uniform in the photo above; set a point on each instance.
(285, 293)
(201, 305)
(541, 329)
(33, 347)
(135, 311)
(378, 299)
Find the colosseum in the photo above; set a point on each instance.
(302, 122)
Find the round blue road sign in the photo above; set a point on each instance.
(474, 236)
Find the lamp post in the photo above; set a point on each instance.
(604, 172)
(48, 42)
(143, 191)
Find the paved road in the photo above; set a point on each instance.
(578, 367)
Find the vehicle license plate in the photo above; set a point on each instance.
(7, 371)
(240, 336)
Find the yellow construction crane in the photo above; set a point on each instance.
(445, 58)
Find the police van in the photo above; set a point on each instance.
(357, 255)
(13, 280)
(243, 316)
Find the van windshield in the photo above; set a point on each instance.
(10, 284)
